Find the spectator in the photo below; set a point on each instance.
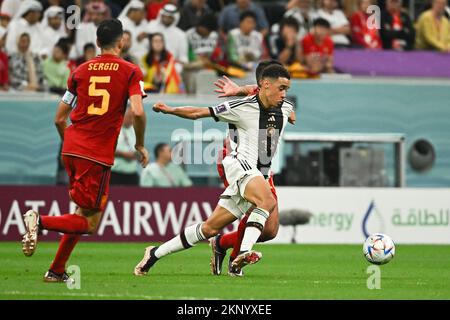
(218, 6)
(433, 28)
(10, 7)
(304, 13)
(125, 53)
(163, 172)
(318, 48)
(351, 6)
(229, 17)
(60, 3)
(284, 46)
(52, 28)
(154, 6)
(87, 32)
(362, 35)
(202, 42)
(202, 39)
(56, 70)
(397, 31)
(340, 28)
(4, 72)
(25, 70)
(26, 20)
(133, 20)
(191, 14)
(245, 44)
(155, 63)
(89, 52)
(106, 4)
(175, 38)
(5, 19)
(125, 168)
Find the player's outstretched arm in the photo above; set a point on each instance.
(139, 123)
(186, 112)
(227, 88)
(62, 113)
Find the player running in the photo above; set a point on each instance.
(221, 243)
(257, 122)
(96, 99)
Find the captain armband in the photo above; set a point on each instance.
(69, 98)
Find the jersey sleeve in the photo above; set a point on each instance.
(70, 96)
(224, 112)
(136, 86)
(288, 108)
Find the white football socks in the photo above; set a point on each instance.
(186, 239)
(254, 227)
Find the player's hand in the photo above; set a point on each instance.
(226, 87)
(143, 155)
(161, 107)
(142, 36)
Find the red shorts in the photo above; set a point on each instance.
(88, 182)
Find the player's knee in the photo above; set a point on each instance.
(209, 231)
(267, 203)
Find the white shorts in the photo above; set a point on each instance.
(237, 205)
(238, 173)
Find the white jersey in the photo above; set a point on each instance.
(254, 130)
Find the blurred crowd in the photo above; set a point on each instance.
(172, 41)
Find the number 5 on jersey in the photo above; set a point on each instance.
(95, 92)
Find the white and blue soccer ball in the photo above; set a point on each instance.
(379, 248)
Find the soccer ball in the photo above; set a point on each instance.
(379, 248)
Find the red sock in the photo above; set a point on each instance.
(227, 240)
(240, 234)
(66, 245)
(68, 223)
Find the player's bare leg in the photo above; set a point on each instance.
(257, 191)
(190, 236)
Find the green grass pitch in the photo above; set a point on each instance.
(285, 272)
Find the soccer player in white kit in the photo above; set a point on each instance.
(256, 125)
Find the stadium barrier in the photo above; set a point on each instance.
(339, 215)
(348, 215)
(131, 214)
(361, 62)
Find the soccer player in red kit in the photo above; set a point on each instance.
(96, 100)
(221, 243)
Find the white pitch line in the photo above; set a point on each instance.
(101, 295)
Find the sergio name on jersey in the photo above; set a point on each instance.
(98, 91)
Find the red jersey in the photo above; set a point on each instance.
(98, 91)
(153, 9)
(311, 46)
(363, 35)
